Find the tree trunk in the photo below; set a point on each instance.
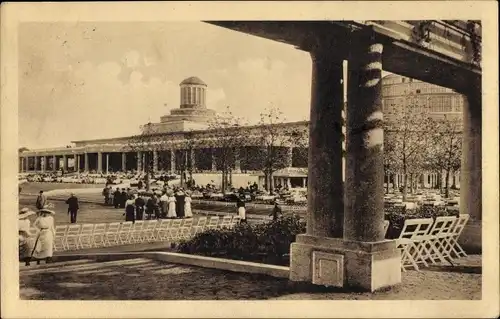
(405, 178)
(447, 186)
(387, 185)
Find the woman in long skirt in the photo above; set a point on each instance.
(44, 247)
(26, 241)
(130, 210)
(171, 207)
(188, 213)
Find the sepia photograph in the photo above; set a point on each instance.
(174, 152)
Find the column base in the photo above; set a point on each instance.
(470, 239)
(339, 263)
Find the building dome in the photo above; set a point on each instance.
(193, 80)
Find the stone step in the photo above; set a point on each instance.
(88, 265)
(43, 265)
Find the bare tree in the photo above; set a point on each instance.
(445, 155)
(225, 136)
(275, 142)
(409, 134)
(149, 140)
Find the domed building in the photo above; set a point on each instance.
(192, 112)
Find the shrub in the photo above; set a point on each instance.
(267, 242)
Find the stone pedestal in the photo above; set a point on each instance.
(336, 262)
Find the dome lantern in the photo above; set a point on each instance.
(193, 93)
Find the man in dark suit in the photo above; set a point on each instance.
(73, 207)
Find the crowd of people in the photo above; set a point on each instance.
(156, 204)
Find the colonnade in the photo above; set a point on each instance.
(104, 162)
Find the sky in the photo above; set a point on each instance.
(94, 80)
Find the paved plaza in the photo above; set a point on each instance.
(144, 279)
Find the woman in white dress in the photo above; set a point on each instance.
(171, 206)
(44, 244)
(188, 213)
(26, 241)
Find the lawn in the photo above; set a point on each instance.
(34, 188)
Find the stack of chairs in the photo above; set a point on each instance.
(81, 236)
(428, 241)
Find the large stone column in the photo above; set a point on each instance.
(364, 214)
(325, 207)
(376, 263)
(54, 162)
(65, 163)
(471, 178)
(36, 163)
(124, 161)
(361, 258)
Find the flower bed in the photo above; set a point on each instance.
(267, 242)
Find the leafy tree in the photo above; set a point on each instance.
(149, 140)
(409, 134)
(274, 143)
(446, 151)
(225, 137)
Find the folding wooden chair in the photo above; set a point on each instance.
(452, 242)
(111, 235)
(60, 237)
(161, 231)
(409, 240)
(235, 221)
(124, 233)
(72, 236)
(136, 232)
(148, 231)
(98, 235)
(185, 229)
(435, 239)
(226, 221)
(213, 222)
(386, 227)
(85, 238)
(174, 230)
(200, 225)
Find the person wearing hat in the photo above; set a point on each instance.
(73, 207)
(44, 244)
(171, 206)
(25, 239)
(41, 201)
(188, 213)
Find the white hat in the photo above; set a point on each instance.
(25, 212)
